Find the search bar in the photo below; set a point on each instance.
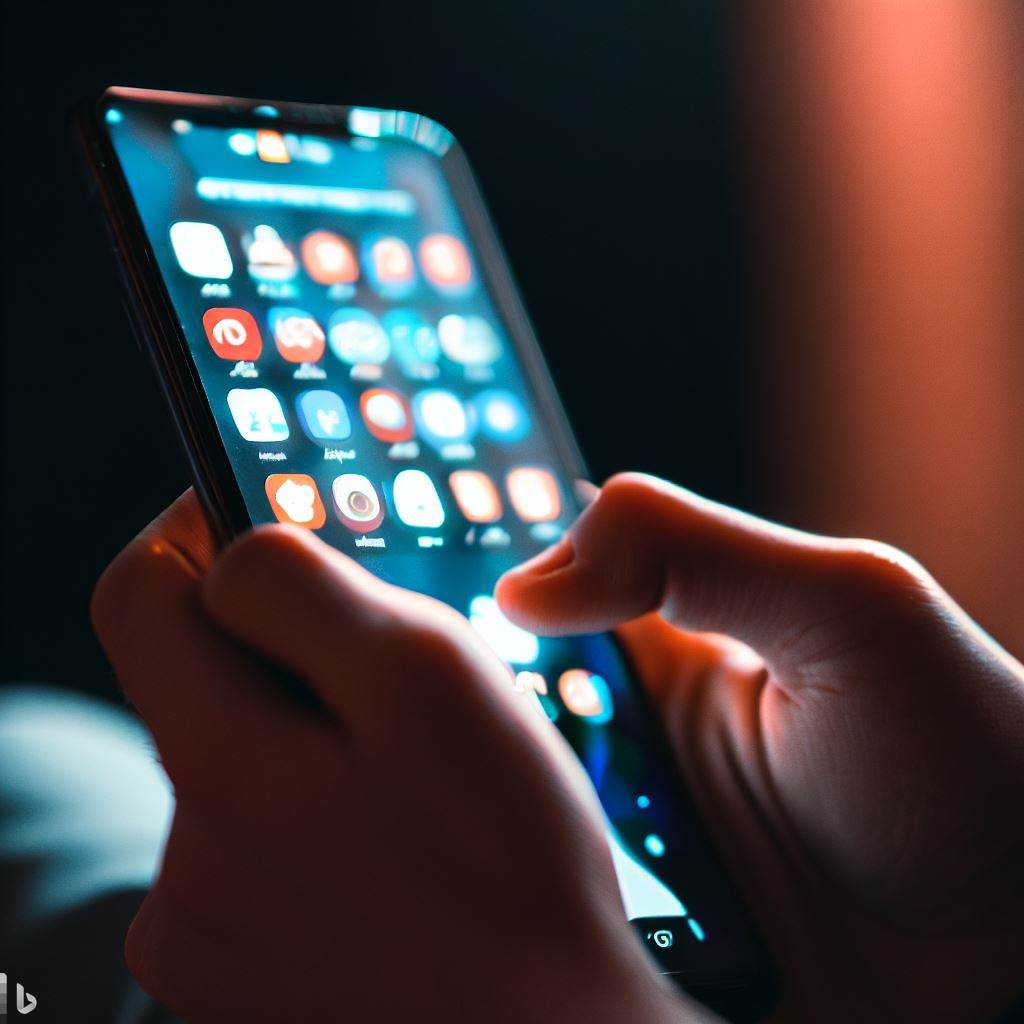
(308, 197)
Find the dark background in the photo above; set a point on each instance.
(601, 136)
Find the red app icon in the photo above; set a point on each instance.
(445, 262)
(295, 499)
(387, 414)
(299, 338)
(329, 258)
(233, 334)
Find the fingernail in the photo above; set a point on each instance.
(556, 557)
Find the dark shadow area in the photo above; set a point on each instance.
(601, 140)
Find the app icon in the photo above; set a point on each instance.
(323, 416)
(417, 502)
(329, 258)
(233, 334)
(295, 499)
(268, 257)
(389, 265)
(445, 263)
(299, 338)
(476, 495)
(510, 642)
(502, 417)
(357, 503)
(356, 336)
(270, 147)
(258, 414)
(387, 414)
(586, 695)
(442, 418)
(469, 340)
(534, 494)
(201, 249)
(414, 342)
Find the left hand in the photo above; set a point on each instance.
(427, 845)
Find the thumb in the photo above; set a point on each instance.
(644, 545)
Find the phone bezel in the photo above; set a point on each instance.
(745, 996)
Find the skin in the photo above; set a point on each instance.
(863, 771)
(414, 843)
(855, 742)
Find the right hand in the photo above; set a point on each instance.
(865, 780)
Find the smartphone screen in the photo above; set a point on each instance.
(335, 284)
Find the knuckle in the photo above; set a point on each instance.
(624, 498)
(641, 497)
(624, 490)
(119, 593)
(430, 647)
(876, 569)
(288, 556)
(439, 650)
(268, 545)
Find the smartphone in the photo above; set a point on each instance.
(341, 345)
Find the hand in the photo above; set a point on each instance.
(865, 780)
(424, 845)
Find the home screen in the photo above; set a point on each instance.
(366, 388)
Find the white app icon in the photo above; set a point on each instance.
(416, 499)
(258, 414)
(269, 258)
(469, 340)
(442, 417)
(298, 500)
(357, 503)
(201, 249)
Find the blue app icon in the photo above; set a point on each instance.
(501, 416)
(414, 342)
(323, 416)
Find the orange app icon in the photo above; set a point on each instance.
(271, 148)
(295, 499)
(586, 695)
(329, 258)
(445, 262)
(476, 495)
(233, 334)
(534, 494)
(387, 414)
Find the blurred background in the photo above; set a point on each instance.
(772, 252)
